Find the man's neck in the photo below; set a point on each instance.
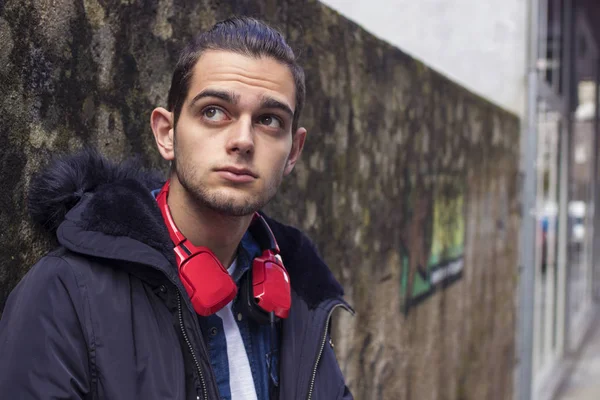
(204, 227)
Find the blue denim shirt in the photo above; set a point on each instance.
(256, 337)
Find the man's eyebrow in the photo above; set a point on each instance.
(269, 102)
(224, 95)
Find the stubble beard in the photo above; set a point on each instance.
(218, 200)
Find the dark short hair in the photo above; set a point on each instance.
(242, 35)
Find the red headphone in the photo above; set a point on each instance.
(208, 283)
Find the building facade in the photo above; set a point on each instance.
(562, 166)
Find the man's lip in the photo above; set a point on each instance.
(238, 171)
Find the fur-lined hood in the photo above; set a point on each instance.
(100, 208)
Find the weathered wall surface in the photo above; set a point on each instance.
(387, 139)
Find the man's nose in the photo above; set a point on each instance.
(241, 137)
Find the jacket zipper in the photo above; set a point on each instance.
(187, 340)
(323, 342)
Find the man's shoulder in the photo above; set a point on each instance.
(57, 264)
(75, 271)
(51, 279)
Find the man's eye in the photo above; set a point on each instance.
(270, 121)
(213, 114)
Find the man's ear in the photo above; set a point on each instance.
(161, 121)
(297, 145)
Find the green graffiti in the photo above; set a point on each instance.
(435, 258)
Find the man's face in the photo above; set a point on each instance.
(233, 139)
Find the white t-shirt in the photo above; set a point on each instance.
(241, 382)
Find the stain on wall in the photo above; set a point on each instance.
(388, 137)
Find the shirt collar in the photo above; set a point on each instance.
(247, 252)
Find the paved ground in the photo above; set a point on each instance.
(584, 382)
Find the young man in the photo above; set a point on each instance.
(182, 290)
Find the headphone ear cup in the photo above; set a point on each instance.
(207, 282)
(248, 305)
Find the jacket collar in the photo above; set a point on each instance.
(102, 209)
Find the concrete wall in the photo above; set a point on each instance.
(479, 44)
(401, 166)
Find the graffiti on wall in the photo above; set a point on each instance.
(433, 239)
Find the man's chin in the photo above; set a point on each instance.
(233, 210)
(232, 206)
(230, 202)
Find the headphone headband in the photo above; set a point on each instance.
(208, 283)
(176, 236)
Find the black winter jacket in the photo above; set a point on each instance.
(105, 316)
